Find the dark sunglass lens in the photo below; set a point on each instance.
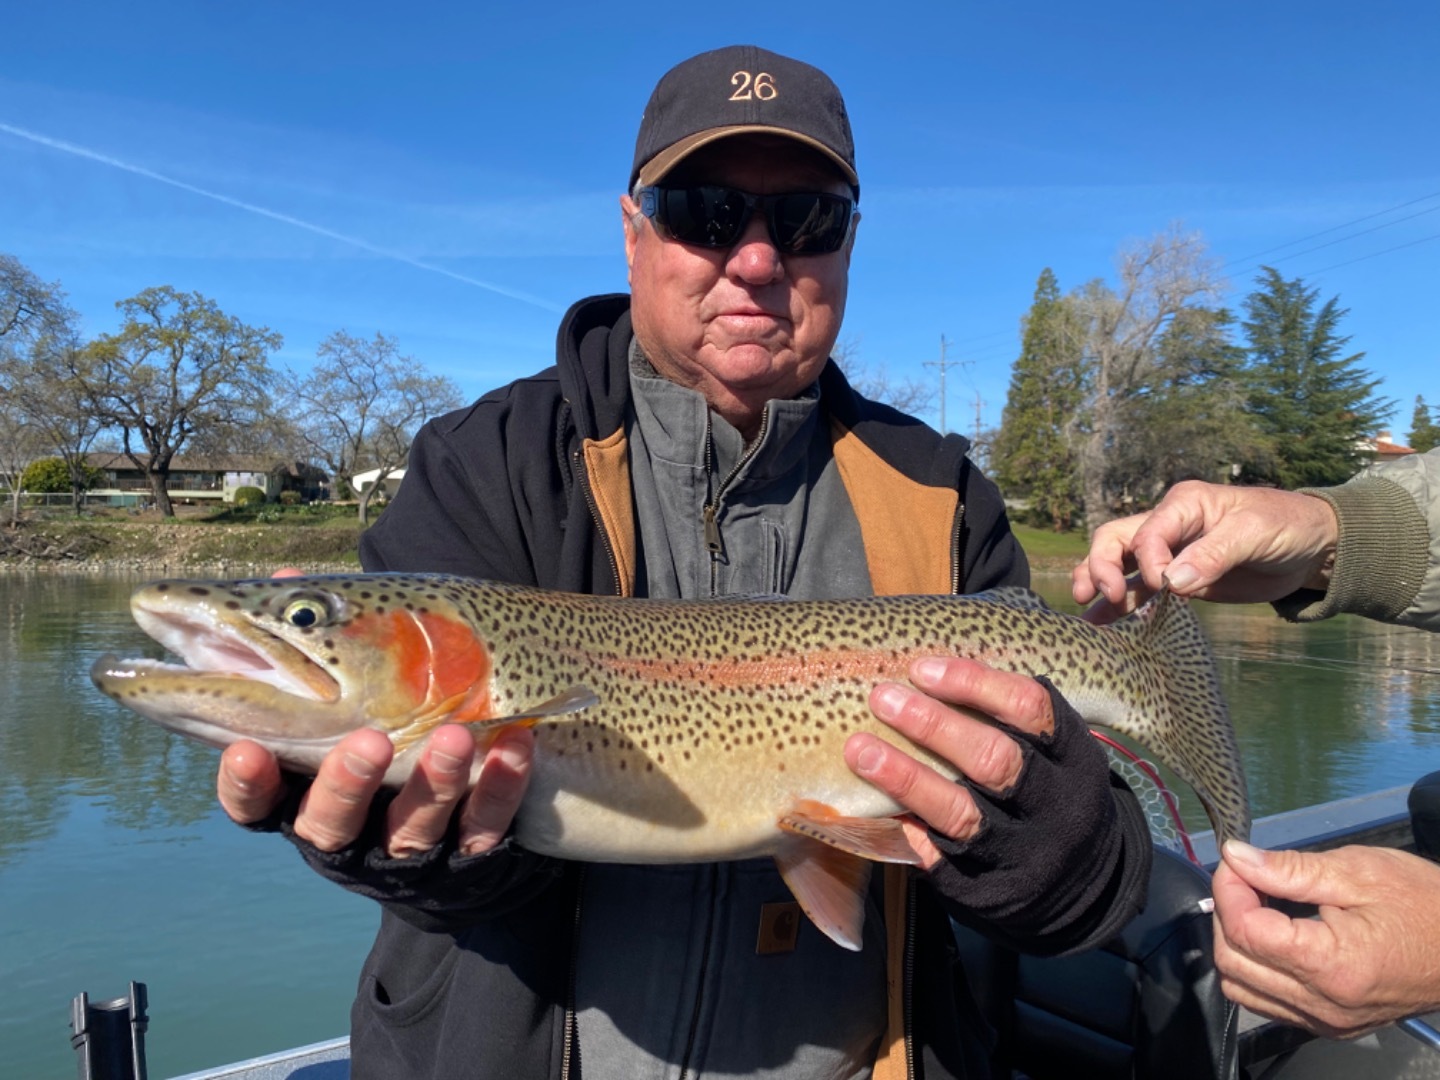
(706, 216)
(810, 224)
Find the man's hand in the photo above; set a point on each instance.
(334, 810)
(1372, 957)
(953, 725)
(1230, 544)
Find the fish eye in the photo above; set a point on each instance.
(305, 612)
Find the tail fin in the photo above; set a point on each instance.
(1195, 738)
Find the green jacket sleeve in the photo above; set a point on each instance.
(1387, 560)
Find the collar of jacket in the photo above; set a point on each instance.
(903, 479)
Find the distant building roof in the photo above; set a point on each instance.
(216, 463)
(1385, 448)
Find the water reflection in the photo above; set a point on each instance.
(59, 738)
(1322, 710)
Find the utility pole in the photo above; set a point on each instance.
(942, 364)
(978, 406)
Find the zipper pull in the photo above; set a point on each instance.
(712, 532)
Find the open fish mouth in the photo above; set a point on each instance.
(212, 650)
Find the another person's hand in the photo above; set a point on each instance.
(941, 715)
(1372, 956)
(1229, 544)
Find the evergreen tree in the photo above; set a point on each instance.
(1424, 431)
(1033, 454)
(1314, 405)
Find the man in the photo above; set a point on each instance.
(694, 440)
(1370, 547)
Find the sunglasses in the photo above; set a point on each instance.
(711, 216)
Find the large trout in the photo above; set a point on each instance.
(666, 731)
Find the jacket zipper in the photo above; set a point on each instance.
(700, 983)
(584, 479)
(909, 985)
(571, 1046)
(712, 507)
(957, 557)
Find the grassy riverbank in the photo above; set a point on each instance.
(259, 540)
(238, 540)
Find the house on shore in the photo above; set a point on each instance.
(201, 479)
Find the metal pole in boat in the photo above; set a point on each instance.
(109, 1036)
(1419, 1029)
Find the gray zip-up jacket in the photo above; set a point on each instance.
(1387, 560)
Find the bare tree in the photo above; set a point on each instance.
(1157, 279)
(362, 405)
(910, 396)
(20, 444)
(178, 366)
(28, 306)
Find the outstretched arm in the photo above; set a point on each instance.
(1232, 544)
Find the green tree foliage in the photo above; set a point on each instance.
(1424, 431)
(1033, 454)
(249, 496)
(1313, 404)
(52, 475)
(178, 366)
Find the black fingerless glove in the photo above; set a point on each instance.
(1062, 860)
(436, 890)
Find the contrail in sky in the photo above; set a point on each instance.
(273, 215)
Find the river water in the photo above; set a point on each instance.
(116, 864)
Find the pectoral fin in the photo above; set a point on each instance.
(459, 708)
(570, 701)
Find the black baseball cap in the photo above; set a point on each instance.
(738, 90)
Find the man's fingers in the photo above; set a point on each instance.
(333, 811)
(1015, 700)
(1102, 573)
(1302, 876)
(420, 814)
(503, 781)
(951, 716)
(249, 784)
(943, 804)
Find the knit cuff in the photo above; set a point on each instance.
(1381, 556)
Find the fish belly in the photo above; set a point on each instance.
(712, 814)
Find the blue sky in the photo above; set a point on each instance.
(448, 173)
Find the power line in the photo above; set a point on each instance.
(1376, 254)
(942, 364)
(1352, 236)
(1281, 247)
(1335, 228)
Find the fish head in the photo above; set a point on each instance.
(297, 663)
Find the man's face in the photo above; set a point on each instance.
(746, 324)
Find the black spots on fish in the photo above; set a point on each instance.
(198, 590)
(163, 586)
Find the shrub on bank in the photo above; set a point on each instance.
(249, 496)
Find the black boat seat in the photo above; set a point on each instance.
(1144, 1005)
